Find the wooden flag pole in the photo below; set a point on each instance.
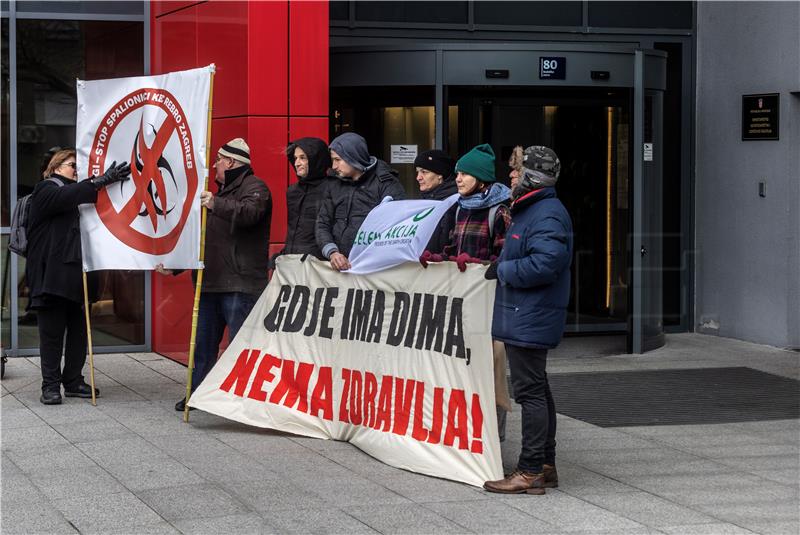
(89, 336)
(199, 283)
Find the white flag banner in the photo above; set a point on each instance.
(159, 125)
(398, 363)
(395, 232)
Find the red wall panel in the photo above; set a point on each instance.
(267, 139)
(308, 58)
(267, 58)
(271, 57)
(160, 7)
(222, 40)
(308, 127)
(174, 46)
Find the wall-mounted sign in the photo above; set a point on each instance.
(760, 117)
(403, 153)
(648, 152)
(552, 68)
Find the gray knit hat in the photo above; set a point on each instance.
(236, 149)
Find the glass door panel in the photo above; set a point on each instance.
(590, 132)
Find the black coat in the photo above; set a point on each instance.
(237, 235)
(303, 199)
(348, 202)
(54, 262)
(441, 236)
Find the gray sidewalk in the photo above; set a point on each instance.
(130, 465)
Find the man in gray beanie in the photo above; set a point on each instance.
(533, 273)
(363, 182)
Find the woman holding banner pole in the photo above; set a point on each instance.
(54, 271)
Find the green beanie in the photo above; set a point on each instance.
(479, 162)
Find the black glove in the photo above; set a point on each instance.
(114, 173)
(491, 271)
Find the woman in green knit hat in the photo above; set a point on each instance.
(482, 217)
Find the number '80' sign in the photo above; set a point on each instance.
(552, 68)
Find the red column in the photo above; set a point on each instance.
(270, 86)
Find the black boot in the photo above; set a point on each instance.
(51, 396)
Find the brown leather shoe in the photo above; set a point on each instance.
(550, 476)
(518, 482)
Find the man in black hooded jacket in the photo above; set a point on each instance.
(362, 182)
(311, 160)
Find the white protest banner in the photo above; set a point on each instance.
(398, 363)
(159, 125)
(395, 232)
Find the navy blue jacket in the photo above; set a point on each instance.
(530, 305)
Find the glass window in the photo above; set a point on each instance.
(672, 15)
(433, 12)
(84, 8)
(5, 131)
(51, 54)
(529, 13)
(339, 10)
(386, 117)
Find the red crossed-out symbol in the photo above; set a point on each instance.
(119, 222)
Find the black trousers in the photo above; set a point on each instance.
(62, 330)
(532, 391)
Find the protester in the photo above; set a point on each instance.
(236, 254)
(437, 181)
(362, 182)
(481, 219)
(530, 310)
(311, 160)
(53, 271)
(515, 163)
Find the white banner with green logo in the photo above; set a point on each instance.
(395, 232)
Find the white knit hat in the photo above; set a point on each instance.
(236, 149)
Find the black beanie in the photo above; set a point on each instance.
(437, 161)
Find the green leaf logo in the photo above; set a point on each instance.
(422, 215)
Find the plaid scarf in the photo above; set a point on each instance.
(471, 233)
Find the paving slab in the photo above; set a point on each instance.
(109, 512)
(191, 502)
(49, 459)
(648, 509)
(37, 517)
(76, 482)
(716, 528)
(490, 516)
(569, 513)
(404, 519)
(239, 524)
(315, 520)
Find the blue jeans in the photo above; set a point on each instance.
(215, 312)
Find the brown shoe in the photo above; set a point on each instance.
(518, 482)
(550, 476)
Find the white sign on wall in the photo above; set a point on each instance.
(404, 153)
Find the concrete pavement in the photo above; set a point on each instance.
(130, 465)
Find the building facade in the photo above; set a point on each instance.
(641, 100)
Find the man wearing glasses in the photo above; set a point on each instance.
(236, 254)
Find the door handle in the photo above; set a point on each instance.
(644, 251)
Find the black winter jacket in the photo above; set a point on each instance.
(348, 202)
(303, 199)
(237, 235)
(441, 236)
(54, 262)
